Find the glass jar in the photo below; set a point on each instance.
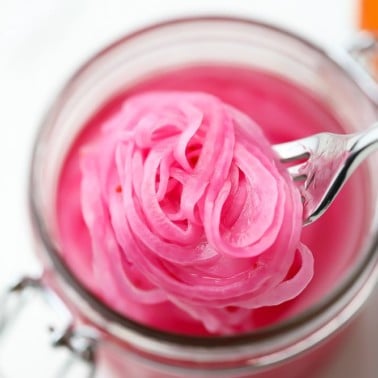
(121, 347)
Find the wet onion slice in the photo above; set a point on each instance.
(186, 202)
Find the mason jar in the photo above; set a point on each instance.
(116, 346)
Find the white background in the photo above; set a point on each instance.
(41, 43)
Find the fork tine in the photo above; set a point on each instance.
(291, 151)
(298, 172)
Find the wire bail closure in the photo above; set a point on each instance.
(364, 49)
(81, 341)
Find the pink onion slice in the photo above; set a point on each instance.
(186, 202)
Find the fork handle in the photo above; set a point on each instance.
(361, 145)
(358, 147)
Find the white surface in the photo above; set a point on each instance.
(43, 41)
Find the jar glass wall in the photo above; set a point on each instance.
(129, 348)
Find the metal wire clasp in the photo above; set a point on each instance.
(364, 48)
(81, 341)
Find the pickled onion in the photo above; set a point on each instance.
(185, 201)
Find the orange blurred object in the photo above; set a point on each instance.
(369, 15)
(369, 22)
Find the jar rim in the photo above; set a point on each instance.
(346, 66)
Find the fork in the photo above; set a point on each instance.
(322, 163)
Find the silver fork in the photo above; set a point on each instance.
(324, 162)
